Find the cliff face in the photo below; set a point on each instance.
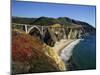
(56, 32)
(30, 55)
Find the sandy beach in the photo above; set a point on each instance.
(62, 44)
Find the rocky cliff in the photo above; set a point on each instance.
(56, 32)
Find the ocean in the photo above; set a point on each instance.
(80, 54)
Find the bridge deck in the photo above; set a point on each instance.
(72, 26)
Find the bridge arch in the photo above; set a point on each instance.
(35, 31)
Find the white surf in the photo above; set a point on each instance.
(66, 53)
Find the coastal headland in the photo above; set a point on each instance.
(37, 46)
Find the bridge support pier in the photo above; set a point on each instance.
(26, 29)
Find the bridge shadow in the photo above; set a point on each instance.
(36, 33)
(47, 39)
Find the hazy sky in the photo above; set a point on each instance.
(33, 9)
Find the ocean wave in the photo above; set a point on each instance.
(66, 53)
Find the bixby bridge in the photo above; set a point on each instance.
(51, 33)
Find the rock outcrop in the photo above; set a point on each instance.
(56, 32)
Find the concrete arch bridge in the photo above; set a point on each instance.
(50, 35)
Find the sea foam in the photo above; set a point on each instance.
(66, 53)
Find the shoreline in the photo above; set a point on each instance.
(59, 46)
(67, 51)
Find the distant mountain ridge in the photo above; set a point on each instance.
(49, 21)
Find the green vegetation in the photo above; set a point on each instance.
(64, 21)
(22, 20)
(48, 21)
(45, 21)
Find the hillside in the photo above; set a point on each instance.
(30, 55)
(22, 20)
(45, 21)
(49, 21)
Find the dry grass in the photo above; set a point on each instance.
(29, 56)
